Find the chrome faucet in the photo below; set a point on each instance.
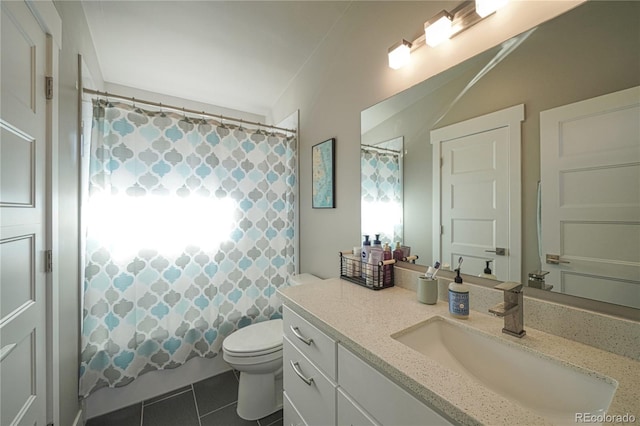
(511, 309)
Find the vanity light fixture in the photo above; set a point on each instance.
(443, 26)
(399, 54)
(438, 28)
(485, 8)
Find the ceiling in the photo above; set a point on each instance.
(234, 54)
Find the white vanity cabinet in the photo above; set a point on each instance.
(309, 373)
(378, 398)
(327, 384)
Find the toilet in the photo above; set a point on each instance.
(256, 352)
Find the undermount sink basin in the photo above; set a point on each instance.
(544, 385)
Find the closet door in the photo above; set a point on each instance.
(590, 176)
(22, 218)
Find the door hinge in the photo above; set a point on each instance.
(441, 162)
(48, 87)
(441, 229)
(48, 261)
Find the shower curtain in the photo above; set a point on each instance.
(190, 230)
(381, 182)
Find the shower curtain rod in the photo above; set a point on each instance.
(381, 149)
(183, 109)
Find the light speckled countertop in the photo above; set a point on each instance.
(364, 320)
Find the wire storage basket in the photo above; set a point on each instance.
(373, 276)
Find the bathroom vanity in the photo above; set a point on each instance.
(326, 383)
(345, 363)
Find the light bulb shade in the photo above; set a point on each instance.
(399, 54)
(438, 28)
(485, 8)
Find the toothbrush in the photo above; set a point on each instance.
(437, 266)
(432, 270)
(459, 262)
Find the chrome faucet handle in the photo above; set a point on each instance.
(509, 286)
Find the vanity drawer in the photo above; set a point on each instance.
(290, 415)
(313, 343)
(313, 394)
(383, 399)
(350, 413)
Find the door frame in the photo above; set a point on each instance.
(511, 118)
(50, 22)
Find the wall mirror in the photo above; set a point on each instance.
(587, 52)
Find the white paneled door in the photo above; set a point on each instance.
(475, 209)
(479, 190)
(590, 175)
(22, 218)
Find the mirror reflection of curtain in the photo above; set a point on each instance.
(190, 230)
(381, 202)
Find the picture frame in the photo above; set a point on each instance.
(323, 175)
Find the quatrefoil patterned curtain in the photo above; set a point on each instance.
(381, 202)
(190, 230)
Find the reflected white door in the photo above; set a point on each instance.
(479, 186)
(590, 175)
(22, 218)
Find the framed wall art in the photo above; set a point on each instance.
(323, 175)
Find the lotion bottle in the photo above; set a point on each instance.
(377, 243)
(398, 254)
(458, 297)
(386, 255)
(366, 250)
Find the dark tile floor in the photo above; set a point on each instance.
(211, 402)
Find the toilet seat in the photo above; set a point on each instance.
(254, 340)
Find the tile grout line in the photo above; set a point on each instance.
(142, 414)
(166, 397)
(220, 408)
(195, 402)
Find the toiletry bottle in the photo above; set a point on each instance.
(398, 254)
(387, 269)
(458, 298)
(357, 262)
(371, 275)
(487, 272)
(377, 243)
(366, 249)
(377, 255)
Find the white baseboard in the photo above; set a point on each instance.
(150, 385)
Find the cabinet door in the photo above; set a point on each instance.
(290, 415)
(313, 343)
(351, 414)
(312, 393)
(384, 400)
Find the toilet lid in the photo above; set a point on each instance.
(254, 338)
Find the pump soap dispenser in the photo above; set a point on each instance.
(459, 296)
(487, 272)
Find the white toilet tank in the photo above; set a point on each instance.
(302, 279)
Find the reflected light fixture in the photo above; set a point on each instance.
(399, 54)
(485, 8)
(438, 28)
(444, 26)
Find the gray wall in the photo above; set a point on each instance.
(347, 74)
(76, 40)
